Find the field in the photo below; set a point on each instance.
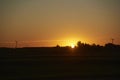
(56, 64)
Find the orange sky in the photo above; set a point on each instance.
(52, 22)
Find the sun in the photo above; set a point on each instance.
(70, 42)
(72, 46)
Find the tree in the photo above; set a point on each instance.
(57, 46)
(79, 43)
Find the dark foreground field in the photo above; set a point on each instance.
(56, 64)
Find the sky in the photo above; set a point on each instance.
(63, 22)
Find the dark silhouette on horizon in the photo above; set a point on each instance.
(82, 49)
(84, 62)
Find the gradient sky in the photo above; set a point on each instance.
(52, 22)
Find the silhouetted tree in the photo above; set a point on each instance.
(110, 45)
(79, 43)
(58, 46)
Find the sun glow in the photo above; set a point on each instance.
(71, 43)
(72, 46)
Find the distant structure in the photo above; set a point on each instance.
(112, 41)
(16, 44)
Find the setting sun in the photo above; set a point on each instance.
(72, 46)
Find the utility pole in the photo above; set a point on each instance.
(112, 40)
(16, 44)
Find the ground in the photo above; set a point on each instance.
(18, 65)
